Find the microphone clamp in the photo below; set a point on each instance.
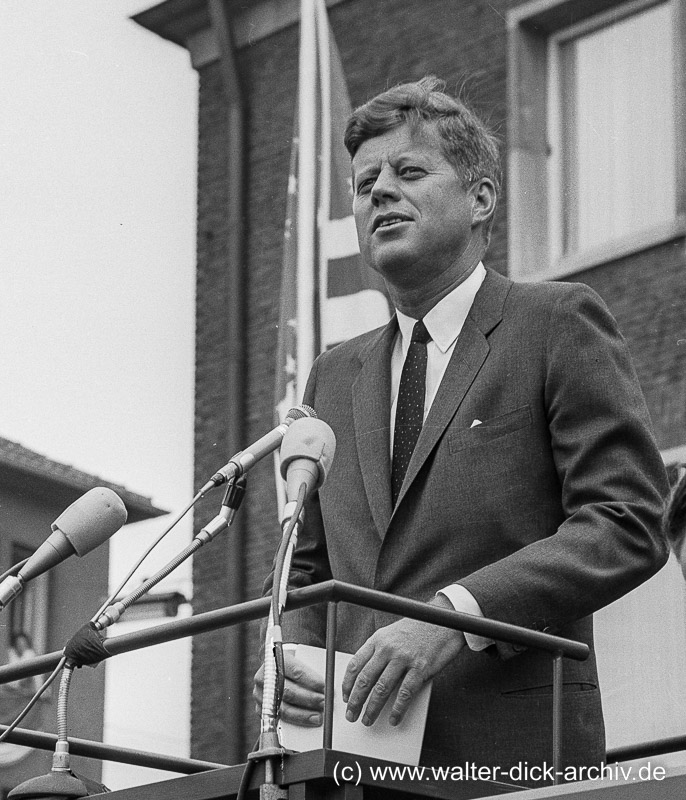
(288, 511)
(9, 589)
(240, 463)
(110, 615)
(215, 526)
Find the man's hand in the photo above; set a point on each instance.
(303, 695)
(407, 653)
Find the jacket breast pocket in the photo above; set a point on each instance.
(490, 429)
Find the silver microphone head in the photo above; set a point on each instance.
(312, 439)
(300, 412)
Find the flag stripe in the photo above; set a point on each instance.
(326, 294)
(339, 238)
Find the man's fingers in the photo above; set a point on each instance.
(296, 715)
(301, 716)
(303, 694)
(295, 694)
(381, 691)
(412, 683)
(364, 683)
(405, 654)
(303, 675)
(355, 666)
(297, 672)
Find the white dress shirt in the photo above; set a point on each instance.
(444, 322)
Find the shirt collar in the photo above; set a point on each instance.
(445, 320)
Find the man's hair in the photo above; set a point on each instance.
(466, 142)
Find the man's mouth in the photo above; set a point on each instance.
(388, 221)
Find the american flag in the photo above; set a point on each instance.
(327, 295)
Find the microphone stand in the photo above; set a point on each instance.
(233, 497)
(269, 746)
(61, 782)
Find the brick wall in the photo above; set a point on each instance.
(210, 739)
(647, 295)
(463, 43)
(381, 43)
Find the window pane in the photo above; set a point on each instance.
(617, 89)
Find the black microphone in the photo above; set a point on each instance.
(80, 528)
(247, 458)
(307, 451)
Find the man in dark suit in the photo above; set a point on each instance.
(534, 491)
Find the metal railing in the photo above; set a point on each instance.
(330, 592)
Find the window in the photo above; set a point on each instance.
(28, 611)
(27, 615)
(25, 637)
(596, 171)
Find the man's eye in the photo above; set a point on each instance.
(411, 172)
(364, 186)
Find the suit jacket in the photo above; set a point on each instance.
(547, 511)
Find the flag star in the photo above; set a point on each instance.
(290, 366)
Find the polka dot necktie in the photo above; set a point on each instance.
(409, 415)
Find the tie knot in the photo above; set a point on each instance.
(420, 333)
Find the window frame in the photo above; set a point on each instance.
(32, 605)
(531, 183)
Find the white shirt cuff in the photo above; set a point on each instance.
(463, 600)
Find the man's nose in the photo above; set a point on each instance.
(385, 187)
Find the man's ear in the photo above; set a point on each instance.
(484, 199)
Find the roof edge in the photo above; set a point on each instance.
(63, 482)
(175, 20)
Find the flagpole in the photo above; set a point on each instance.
(307, 199)
(324, 204)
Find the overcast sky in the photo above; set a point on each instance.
(97, 268)
(97, 254)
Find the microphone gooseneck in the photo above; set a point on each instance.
(246, 459)
(306, 455)
(233, 497)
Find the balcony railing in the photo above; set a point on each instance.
(330, 592)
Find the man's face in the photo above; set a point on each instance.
(414, 218)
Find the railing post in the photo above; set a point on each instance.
(329, 679)
(331, 592)
(557, 716)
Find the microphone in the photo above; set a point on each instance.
(233, 497)
(80, 528)
(247, 458)
(307, 451)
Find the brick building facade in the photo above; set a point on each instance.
(246, 131)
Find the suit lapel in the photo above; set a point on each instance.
(371, 414)
(471, 350)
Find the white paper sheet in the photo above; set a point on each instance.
(401, 743)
